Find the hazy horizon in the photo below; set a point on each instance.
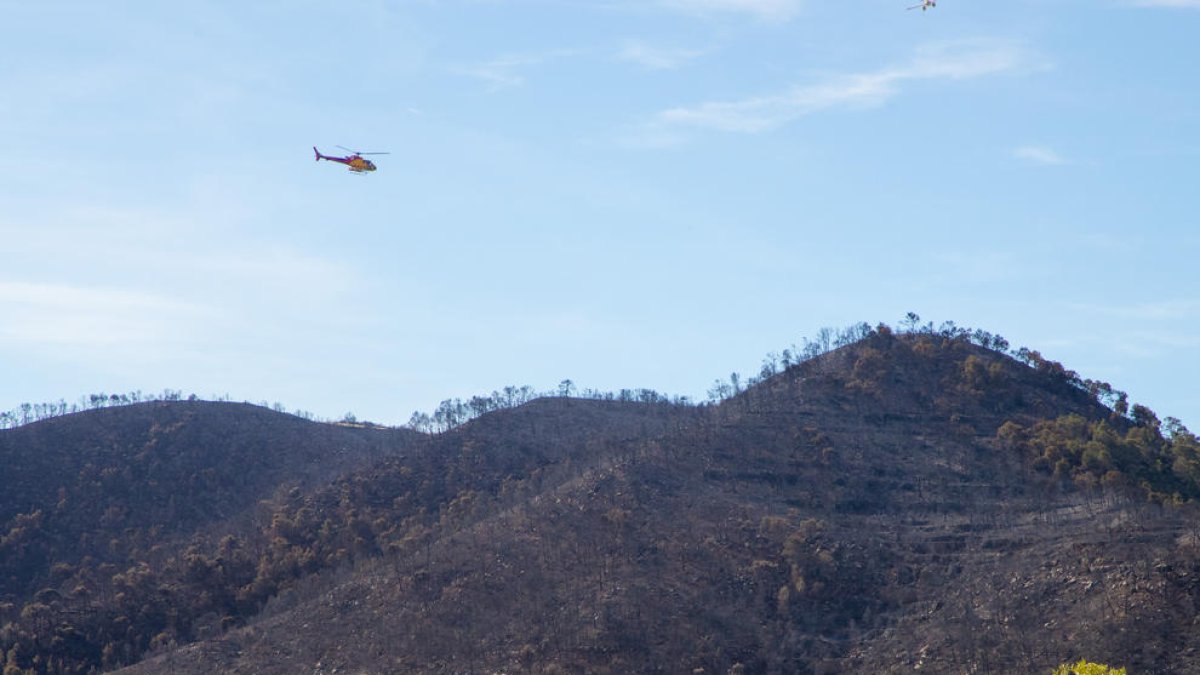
(625, 194)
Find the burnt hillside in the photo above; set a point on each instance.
(911, 501)
(853, 513)
(112, 483)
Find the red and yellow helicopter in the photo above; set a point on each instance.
(354, 161)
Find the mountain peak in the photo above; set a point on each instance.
(847, 513)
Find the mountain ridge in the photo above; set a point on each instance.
(811, 523)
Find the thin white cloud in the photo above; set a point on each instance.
(500, 73)
(64, 315)
(505, 72)
(1144, 344)
(173, 289)
(764, 113)
(1038, 155)
(1167, 3)
(970, 266)
(770, 10)
(656, 58)
(1144, 330)
(650, 137)
(1159, 310)
(141, 246)
(959, 60)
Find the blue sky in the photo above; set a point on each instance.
(627, 193)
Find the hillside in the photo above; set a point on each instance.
(905, 502)
(108, 486)
(230, 447)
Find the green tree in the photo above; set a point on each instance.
(1086, 668)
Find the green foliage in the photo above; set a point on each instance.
(1086, 668)
(1100, 452)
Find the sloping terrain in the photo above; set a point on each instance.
(96, 484)
(187, 557)
(154, 448)
(859, 513)
(90, 496)
(904, 503)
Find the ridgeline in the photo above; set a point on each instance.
(897, 501)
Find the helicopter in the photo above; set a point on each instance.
(354, 161)
(925, 4)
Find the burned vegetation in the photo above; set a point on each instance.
(887, 501)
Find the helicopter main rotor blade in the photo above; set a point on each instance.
(360, 152)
